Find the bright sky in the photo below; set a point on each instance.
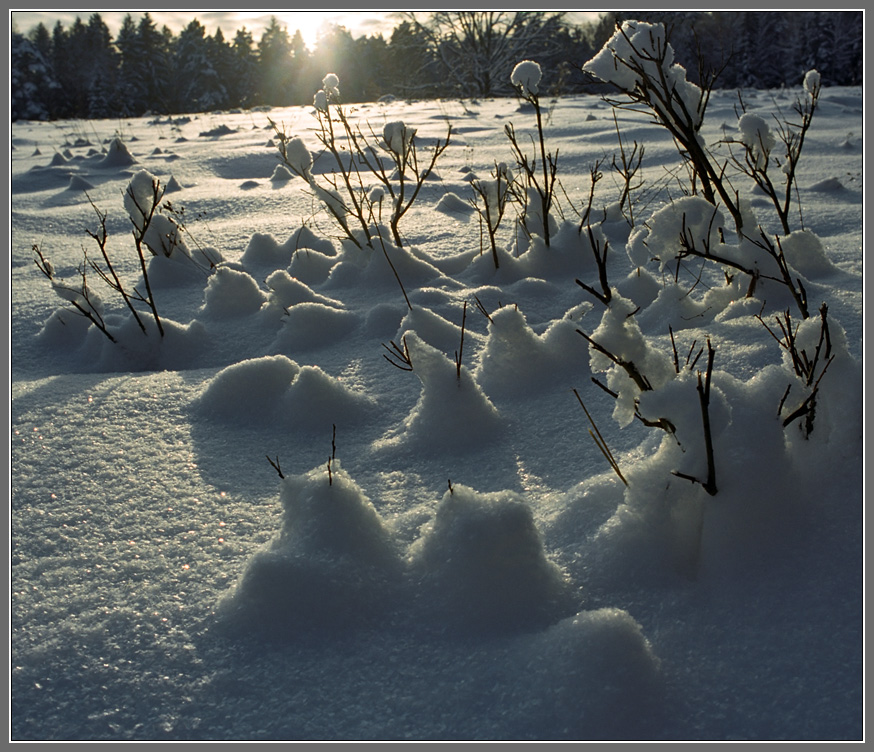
(309, 22)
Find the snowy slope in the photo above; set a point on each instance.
(448, 555)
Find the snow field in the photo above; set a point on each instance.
(469, 567)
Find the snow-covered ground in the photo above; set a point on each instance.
(449, 554)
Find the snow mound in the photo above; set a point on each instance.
(249, 390)
(516, 361)
(311, 266)
(78, 184)
(454, 205)
(117, 155)
(286, 291)
(312, 325)
(333, 565)
(452, 413)
(482, 566)
(568, 254)
(597, 672)
(232, 293)
(181, 269)
(275, 389)
(435, 330)
(264, 250)
(281, 174)
(805, 253)
(179, 348)
(218, 131)
(380, 267)
(828, 185)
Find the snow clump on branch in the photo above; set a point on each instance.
(756, 136)
(330, 84)
(298, 156)
(526, 76)
(639, 61)
(398, 137)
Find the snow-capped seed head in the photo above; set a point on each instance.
(812, 82)
(398, 136)
(298, 156)
(330, 84)
(526, 76)
(141, 198)
(756, 136)
(320, 101)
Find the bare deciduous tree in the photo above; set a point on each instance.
(478, 49)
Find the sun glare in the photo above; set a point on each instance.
(309, 22)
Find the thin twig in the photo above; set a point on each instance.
(275, 466)
(600, 442)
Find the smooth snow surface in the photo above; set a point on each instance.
(448, 554)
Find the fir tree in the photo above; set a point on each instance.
(275, 69)
(32, 80)
(243, 80)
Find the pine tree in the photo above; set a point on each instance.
(221, 59)
(301, 88)
(242, 81)
(155, 64)
(198, 84)
(31, 77)
(839, 48)
(102, 69)
(130, 96)
(275, 68)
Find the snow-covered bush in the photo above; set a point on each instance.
(638, 60)
(526, 77)
(537, 172)
(758, 150)
(490, 201)
(365, 171)
(141, 202)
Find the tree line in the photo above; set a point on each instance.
(82, 72)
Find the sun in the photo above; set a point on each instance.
(310, 23)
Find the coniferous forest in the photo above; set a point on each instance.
(83, 72)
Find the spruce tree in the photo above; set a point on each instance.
(275, 68)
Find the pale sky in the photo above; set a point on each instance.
(309, 22)
(359, 23)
